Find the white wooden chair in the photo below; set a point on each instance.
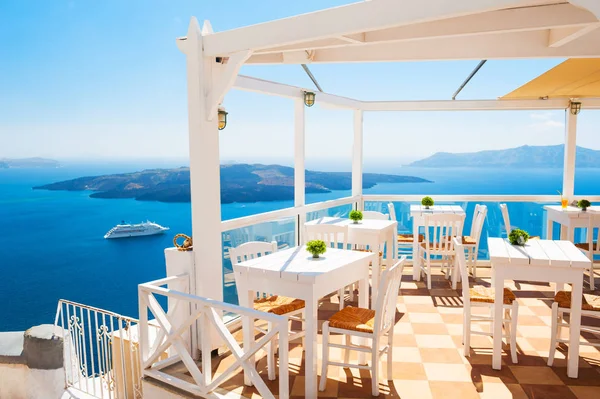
(404, 241)
(376, 325)
(375, 215)
(590, 307)
(439, 230)
(471, 242)
(507, 225)
(484, 297)
(291, 308)
(335, 237)
(590, 247)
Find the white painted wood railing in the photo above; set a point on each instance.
(208, 314)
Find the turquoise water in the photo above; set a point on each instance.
(52, 246)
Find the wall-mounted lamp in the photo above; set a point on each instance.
(575, 107)
(222, 118)
(309, 98)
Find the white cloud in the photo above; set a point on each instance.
(544, 121)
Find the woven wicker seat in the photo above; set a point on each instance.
(589, 301)
(586, 246)
(355, 319)
(278, 304)
(486, 295)
(468, 240)
(409, 238)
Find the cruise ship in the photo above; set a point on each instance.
(124, 230)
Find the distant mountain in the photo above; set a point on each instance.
(521, 157)
(239, 183)
(28, 163)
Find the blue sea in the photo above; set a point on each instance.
(52, 245)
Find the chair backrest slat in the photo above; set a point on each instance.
(385, 305)
(392, 210)
(478, 221)
(252, 250)
(334, 236)
(504, 210)
(440, 229)
(375, 215)
(462, 266)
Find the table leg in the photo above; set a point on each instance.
(376, 270)
(549, 229)
(415, 252)
(575, 327)
(497, 323)
(564, 232)
(247, 301)
(310, 345)
(363, 302)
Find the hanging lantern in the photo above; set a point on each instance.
(575, 107)
(222, 118)
(309, 98)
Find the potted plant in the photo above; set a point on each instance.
(356, 216)
(427, 202)
(518, 237)
(584, 204)
(316, 247)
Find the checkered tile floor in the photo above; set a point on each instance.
(428, 360)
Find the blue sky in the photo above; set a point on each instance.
(105, 80)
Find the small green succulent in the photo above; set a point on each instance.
(584, 204)
(316, 247)
(356, 216)
(427, 201)
(518, 237)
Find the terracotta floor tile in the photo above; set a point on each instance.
(453, 390)
(502, 391)
(485, 374)
(408, 371)
(434, 341)
(429, 328)
(405, 340)
(585, 377)
(586, 392)
(535, 375)
(409, 389)
(406, 355)
(447, 372)
(441, 355)
(420, 308)
(539, 391)
(425, 318)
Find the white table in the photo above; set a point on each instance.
(544, 261)
(294, 273)
(418, 212)
(370, 232)
(569, 219)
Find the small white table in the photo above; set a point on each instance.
(569, 219)
(544, 261)
(418, 212)
(293, 273)
(370, 232)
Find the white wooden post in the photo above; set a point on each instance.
(357, 157)
(299, 166)
(204, 170)
(568, 188)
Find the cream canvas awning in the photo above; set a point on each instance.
(574, 78)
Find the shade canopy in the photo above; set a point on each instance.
(574, 78)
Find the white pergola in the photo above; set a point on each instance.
(368, 31)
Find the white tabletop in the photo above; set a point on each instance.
(420, 209)
(365, 224)
(297, 264)
(573, 211)
(538, 253)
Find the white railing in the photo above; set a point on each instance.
(170, 347)
(285, 213)
(473, 198)
(101, 351)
